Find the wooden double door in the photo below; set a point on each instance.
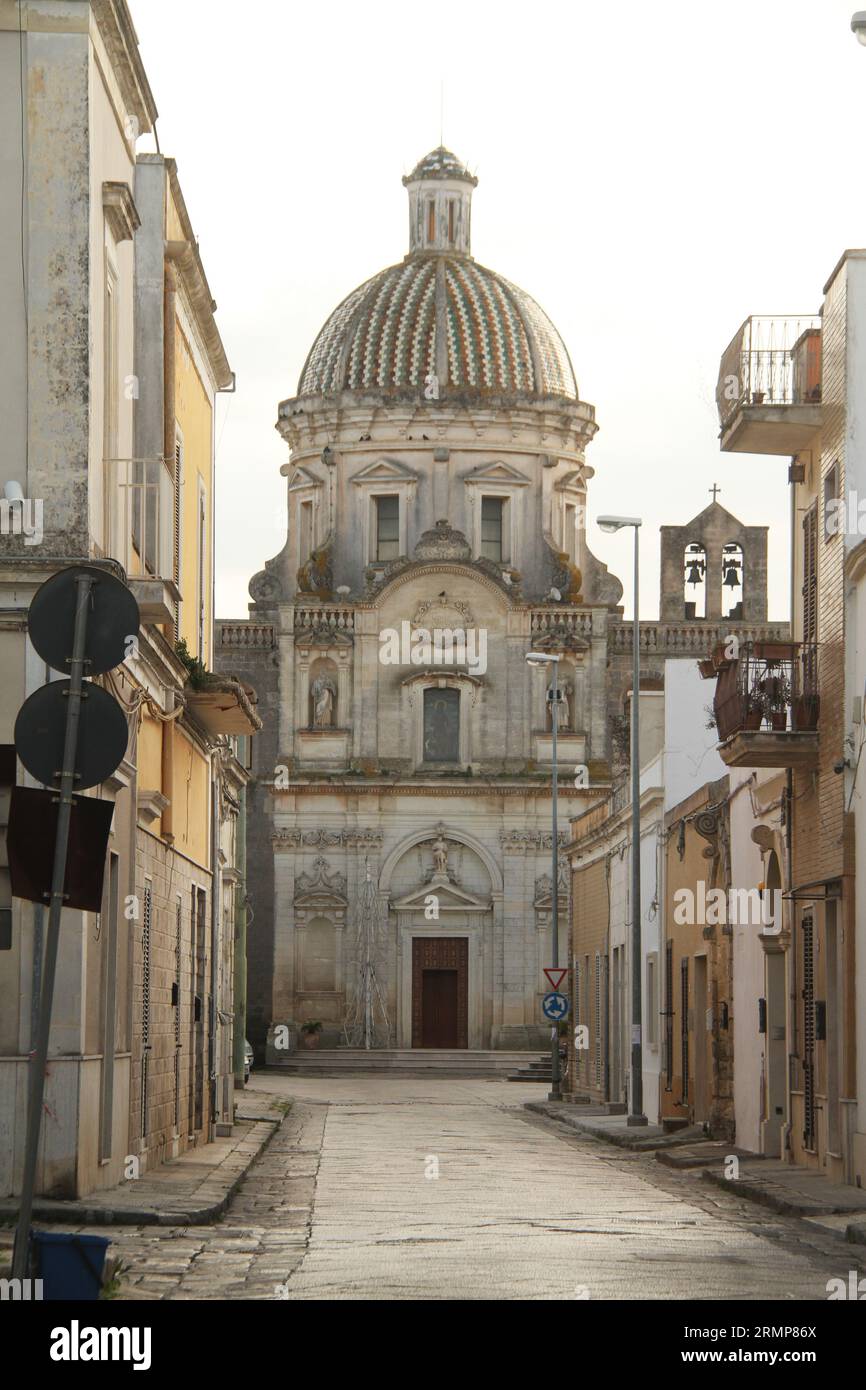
(440, 991)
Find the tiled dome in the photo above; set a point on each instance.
(439, 313)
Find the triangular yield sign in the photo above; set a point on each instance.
(555, 976)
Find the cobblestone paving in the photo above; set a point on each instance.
(345, 1204)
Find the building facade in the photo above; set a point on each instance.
(787, 388)
(713, 595)
(436, 487)
(111, 362)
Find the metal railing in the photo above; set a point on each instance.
(771, 685)
(139, 498)
(771, 360)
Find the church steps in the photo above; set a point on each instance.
(345, 1061)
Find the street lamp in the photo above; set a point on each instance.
(636, 1115)
(539, 660)
(858, 24)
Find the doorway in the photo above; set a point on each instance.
(439, 1008)
(440, 992)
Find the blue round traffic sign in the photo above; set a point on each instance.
(555, 1006)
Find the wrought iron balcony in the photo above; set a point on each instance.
(766, 704)
(769, 389)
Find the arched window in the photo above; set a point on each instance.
(695, 580)
(732, 580)
(771, 914)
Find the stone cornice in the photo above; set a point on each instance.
(475, 788)
(188, 260)
(121, 41)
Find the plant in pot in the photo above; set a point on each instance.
(310, 1033)
(776, 696)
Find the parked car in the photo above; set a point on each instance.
(248, 1060)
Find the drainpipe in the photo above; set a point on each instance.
(213, 1013)
(785, 1137)
(240, 944)
(168, 449)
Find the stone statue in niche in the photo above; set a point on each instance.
(563, 713)
(440, 857)
(324, 702)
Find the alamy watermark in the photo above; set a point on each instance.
(22, 516)
(440, 646)
(734, 907)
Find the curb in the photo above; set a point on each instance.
(79, 1214)
(783, 1206)
(620, 1140)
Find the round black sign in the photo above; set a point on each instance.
(40, 730)
(112, 618)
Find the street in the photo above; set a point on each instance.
(449, 1189)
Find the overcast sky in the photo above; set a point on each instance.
(650, 173)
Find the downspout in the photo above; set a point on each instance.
(213, 1013)
(168, 449)
(789, 868)
(240, 943)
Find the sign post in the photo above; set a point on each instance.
(90, 596)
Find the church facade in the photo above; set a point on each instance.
(436, 492)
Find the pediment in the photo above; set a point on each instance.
(385, 471)
(498, 472)
(570, 482)
(303, 478)
(451, 898)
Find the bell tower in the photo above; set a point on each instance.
(712, 569)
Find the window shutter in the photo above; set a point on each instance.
(810, 576)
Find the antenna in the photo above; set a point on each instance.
(442, 111)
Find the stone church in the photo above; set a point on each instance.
(436, 486)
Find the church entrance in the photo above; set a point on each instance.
(440, 971)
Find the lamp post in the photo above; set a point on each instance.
(636, 1115)
(542, 659)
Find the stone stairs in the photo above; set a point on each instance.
(408, 1062)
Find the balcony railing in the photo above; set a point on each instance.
(771, 686)
(140, 516)
(771, 361)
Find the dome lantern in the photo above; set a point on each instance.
(440, 201)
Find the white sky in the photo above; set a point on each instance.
(650, 173)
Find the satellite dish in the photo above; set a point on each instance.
(40, 732)
(112, 617)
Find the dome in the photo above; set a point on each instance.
(439, 321)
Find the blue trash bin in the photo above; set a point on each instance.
(70, 1266)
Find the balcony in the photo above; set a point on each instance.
(140, 527)
(768, 393)
(223, 705)
(766, 704)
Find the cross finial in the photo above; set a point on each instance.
(714, 490)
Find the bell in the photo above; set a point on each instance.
(694, 574)
(732, 578)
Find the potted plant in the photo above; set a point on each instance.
(310, 1033)
(754, 713)
(776, 696)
